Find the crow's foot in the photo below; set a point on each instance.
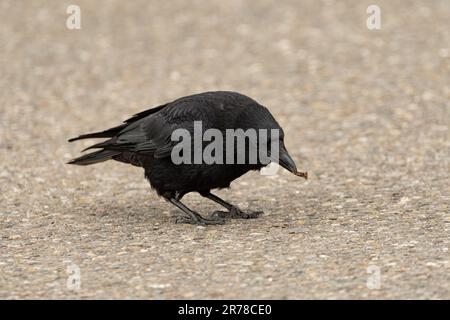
(236, 213)
(199, 220)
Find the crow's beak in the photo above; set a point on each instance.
(286, 161)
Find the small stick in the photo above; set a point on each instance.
(302, 174)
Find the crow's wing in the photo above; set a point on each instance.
(149, 132)
(148, 136)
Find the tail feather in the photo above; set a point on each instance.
(102, 134)
(111, 147)
(94, 157)
(101, 145)
(111, 144)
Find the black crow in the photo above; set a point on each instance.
(147, 140)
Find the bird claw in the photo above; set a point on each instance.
(236, 213)
(199, 220)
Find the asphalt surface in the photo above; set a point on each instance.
(366, 112)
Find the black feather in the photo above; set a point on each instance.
(94, 157)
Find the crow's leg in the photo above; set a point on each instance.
(233, 211)
(192, 216)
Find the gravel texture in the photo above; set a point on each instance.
(366, 112)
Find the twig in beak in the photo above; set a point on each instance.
(301, 174)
